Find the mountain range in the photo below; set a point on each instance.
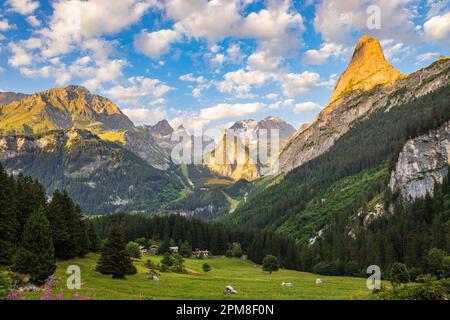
(361, 145)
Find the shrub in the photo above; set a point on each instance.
(167, 259)
(5, 285)
(206, 268)
(133, 250)
(325, 268)
(399, 274)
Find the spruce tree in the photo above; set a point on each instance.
(114, 259)
(8, 218)
(35, 256)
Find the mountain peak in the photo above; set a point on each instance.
(77, 88)
(274, 119)
(162, 128)
(367, 69)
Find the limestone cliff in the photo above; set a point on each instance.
(422, 163)
(337, 118)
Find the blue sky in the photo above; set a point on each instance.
(209, 62)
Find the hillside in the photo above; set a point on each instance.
(101, 176)
(370, 141)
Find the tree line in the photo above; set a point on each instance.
(214, 237)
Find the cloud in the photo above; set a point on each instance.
(20, 56)
(339, 21)
(234, 54)
(190, 78)
(138, 88)
(295, 84)
(227, 111)
(241, 82)
(322, 55)
(32, 20)
(4, 25)
(393, 49)
(201, 84)
(145, 116)
(24, 7)
(438, 28)
(155, 44)
(307, 107)
(427, 56)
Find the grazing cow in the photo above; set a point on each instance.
(229, 290)
(287, 284)
(318, 281)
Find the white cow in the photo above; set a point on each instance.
(286, 284)
(318, 281)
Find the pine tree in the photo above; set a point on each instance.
(35, 256)
(114, 259)
(8, 218)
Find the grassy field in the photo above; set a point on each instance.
(247, 278)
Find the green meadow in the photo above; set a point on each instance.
(244, 276)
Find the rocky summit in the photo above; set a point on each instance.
(367, 69)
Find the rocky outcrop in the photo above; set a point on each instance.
(337, 118)
(422, 164)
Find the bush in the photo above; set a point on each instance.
(178, 263)
(167, 260)
(325, 268)
(399, 274)
(237, 251)
(435, 261)
(229, 254)
(206, 268)
(133, 250)
(5, 285)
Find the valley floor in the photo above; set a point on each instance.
(246, 277)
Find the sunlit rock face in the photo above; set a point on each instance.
(367, 69)
(370, 83)
(422, 164)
